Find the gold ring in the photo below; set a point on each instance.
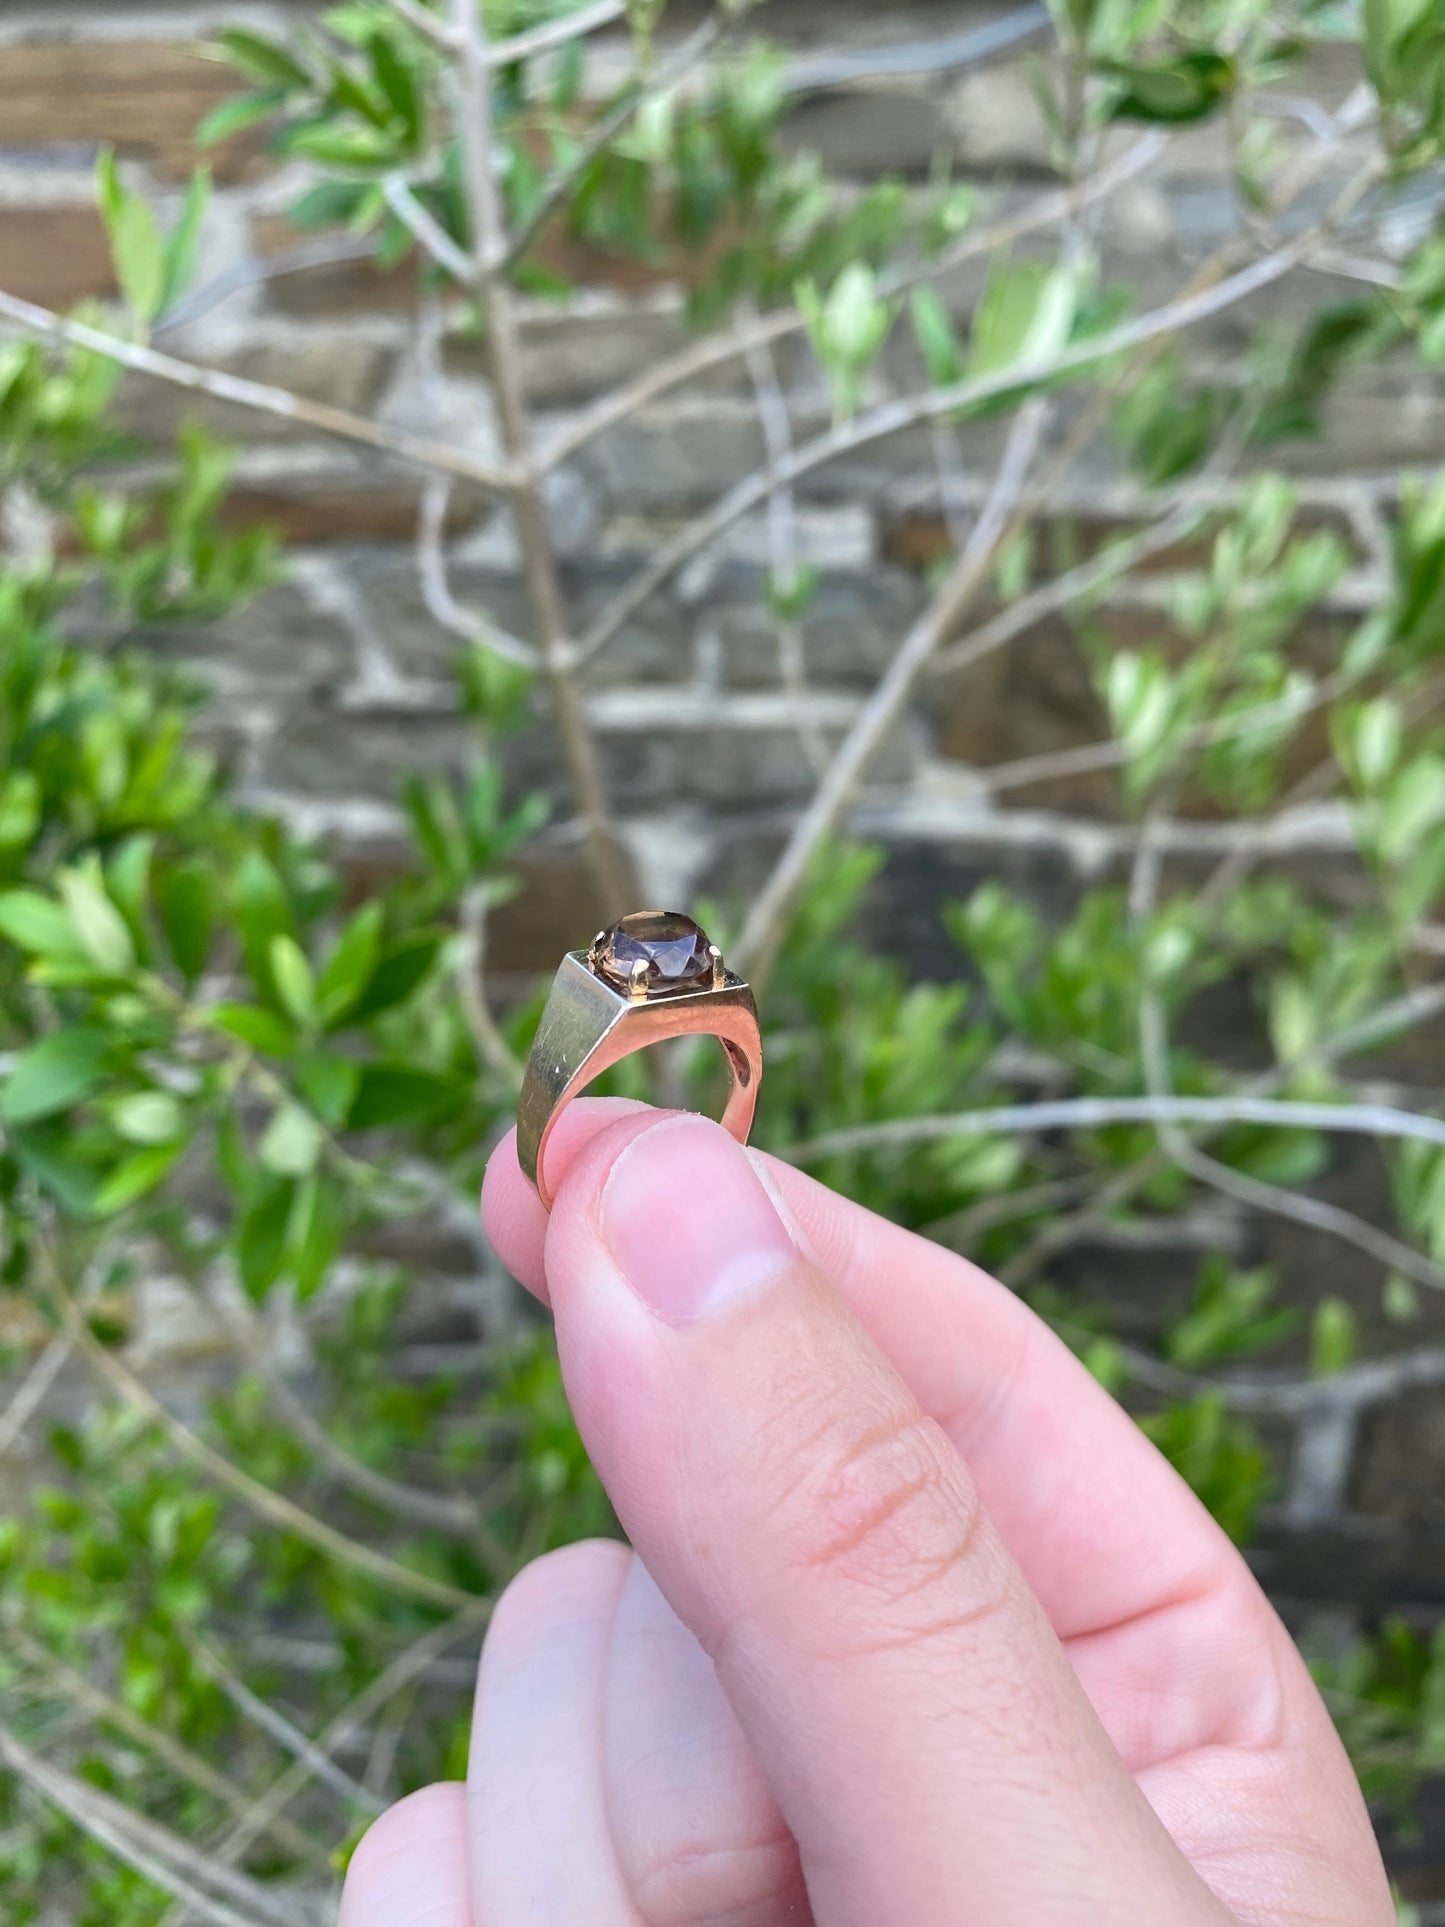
(650, 975)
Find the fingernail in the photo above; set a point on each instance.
(688, 1221)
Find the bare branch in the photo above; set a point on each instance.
(716, 351)
(31, 1391)
(441, 605)
(1094, 1113)
(539, 564)
(893, 418)
(257, 395)
(783, 548)
(679, 61)
(274, 1723)
(555, 33)
(424, 22)
(885, 705)
(425, 229)
(407, 1666)
(492, 1046)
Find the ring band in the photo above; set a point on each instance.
(649, 976)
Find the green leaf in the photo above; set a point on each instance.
(1332, 1337)
(398, 974)
(234, 116)
(291, 1142)
(320, 1222)
(264, 59)
(103, 932)
(261, 1235)
(262, 912)
(1025, 315)
(20, 804)
(262, 1029)
(185, 239)
(395, 1094)
(38, 924)
(149, 1117)
(348, 970)
(295, 985)
(328, 1083)
(1186, 88)
(398, 82)
(936, 340)
(135, 240)
(133, 1178)
(54, 1074)
(185, 899)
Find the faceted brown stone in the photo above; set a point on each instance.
(673, 948)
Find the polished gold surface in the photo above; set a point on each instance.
(588, 1025)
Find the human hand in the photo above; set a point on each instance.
(919, 1629)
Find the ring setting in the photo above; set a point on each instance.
(651, 975)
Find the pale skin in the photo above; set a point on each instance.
(916, 1628)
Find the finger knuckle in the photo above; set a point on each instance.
(685, 1879)
(897, 1517)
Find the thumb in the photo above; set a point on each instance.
(916, 1717)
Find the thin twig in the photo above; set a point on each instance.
(670, 69)
(1097, 1113)
(185, 1764)
(424, 228)
(453, 1515)
(274, 1723)
(153, 1850)
(431, 570)
(425, 22)
(716, 351)
(407, 1666)
(880, 713)
(492, 1046)
(555, 33)
(31, 1391)
(258, 396)
(783, 547)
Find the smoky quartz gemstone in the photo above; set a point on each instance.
(672, 948)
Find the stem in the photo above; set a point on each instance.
(257, 395)
(539, 565)
(762, 933)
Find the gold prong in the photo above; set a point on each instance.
(719, 975)
(637, 988)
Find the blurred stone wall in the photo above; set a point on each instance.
(333, 685)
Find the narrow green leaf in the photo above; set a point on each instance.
(261, 1236)
(262, 1029)
(234, 116)
(149, 1117)
(291, 1142)
(400, 971)
(133, 1178)
(392, 1094)
(184, 241)
(38, 924)
(53, 1074)
(328, 1083)
(295, 985)
(347, 971)
(264, 59)
(103, 932)
(185, 899)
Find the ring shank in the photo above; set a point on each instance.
(587, 1027)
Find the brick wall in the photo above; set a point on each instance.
(332, 686)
